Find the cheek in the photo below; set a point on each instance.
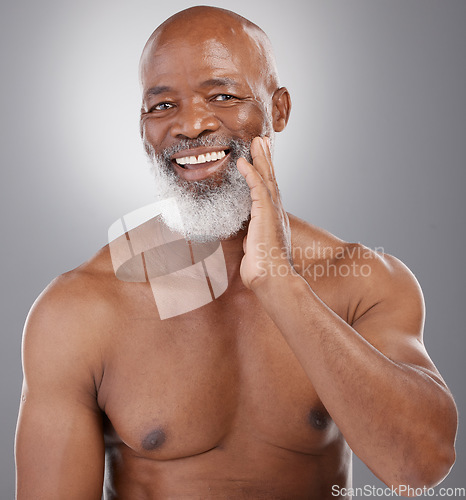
(246, 120)
(153, 131)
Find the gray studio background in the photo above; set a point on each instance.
(374, 152)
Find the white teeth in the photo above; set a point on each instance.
(193, 160)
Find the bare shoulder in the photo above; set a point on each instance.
(81, 293)
(316, 245)
(364, 277)
(59, 440)
(68, 320)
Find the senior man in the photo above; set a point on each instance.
(264, 391)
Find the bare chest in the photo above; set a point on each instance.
(220, 374)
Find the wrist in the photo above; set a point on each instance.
(278, 281)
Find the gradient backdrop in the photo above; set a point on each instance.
(374, 152)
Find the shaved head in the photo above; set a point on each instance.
(202, 24)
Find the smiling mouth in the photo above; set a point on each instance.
(202, 160)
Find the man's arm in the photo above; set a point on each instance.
(59, 440)
(374, 377)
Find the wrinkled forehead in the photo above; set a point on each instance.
(232, 48)
(181, 55)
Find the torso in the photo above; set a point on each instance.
(213, 403)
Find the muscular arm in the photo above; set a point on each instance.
(59, 442)
(374, 376)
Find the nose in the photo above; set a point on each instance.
(193, 119)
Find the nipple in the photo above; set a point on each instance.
(154, 440)
(318, 419)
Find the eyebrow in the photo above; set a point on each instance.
(213, 82)
(219, 82)
(154, 91)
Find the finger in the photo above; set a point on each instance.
(245, 243)
(259, 190)
(268, 150)
(262, 161)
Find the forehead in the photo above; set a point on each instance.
(199, 58)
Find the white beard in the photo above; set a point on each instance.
(212, 209)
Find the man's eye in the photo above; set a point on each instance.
(224, 97)
(163, 106)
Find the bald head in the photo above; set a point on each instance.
(202, 24)
(209, 72)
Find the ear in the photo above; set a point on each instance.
(281, 108)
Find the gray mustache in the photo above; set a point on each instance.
(235, 145)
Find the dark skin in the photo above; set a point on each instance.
(260, 393)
